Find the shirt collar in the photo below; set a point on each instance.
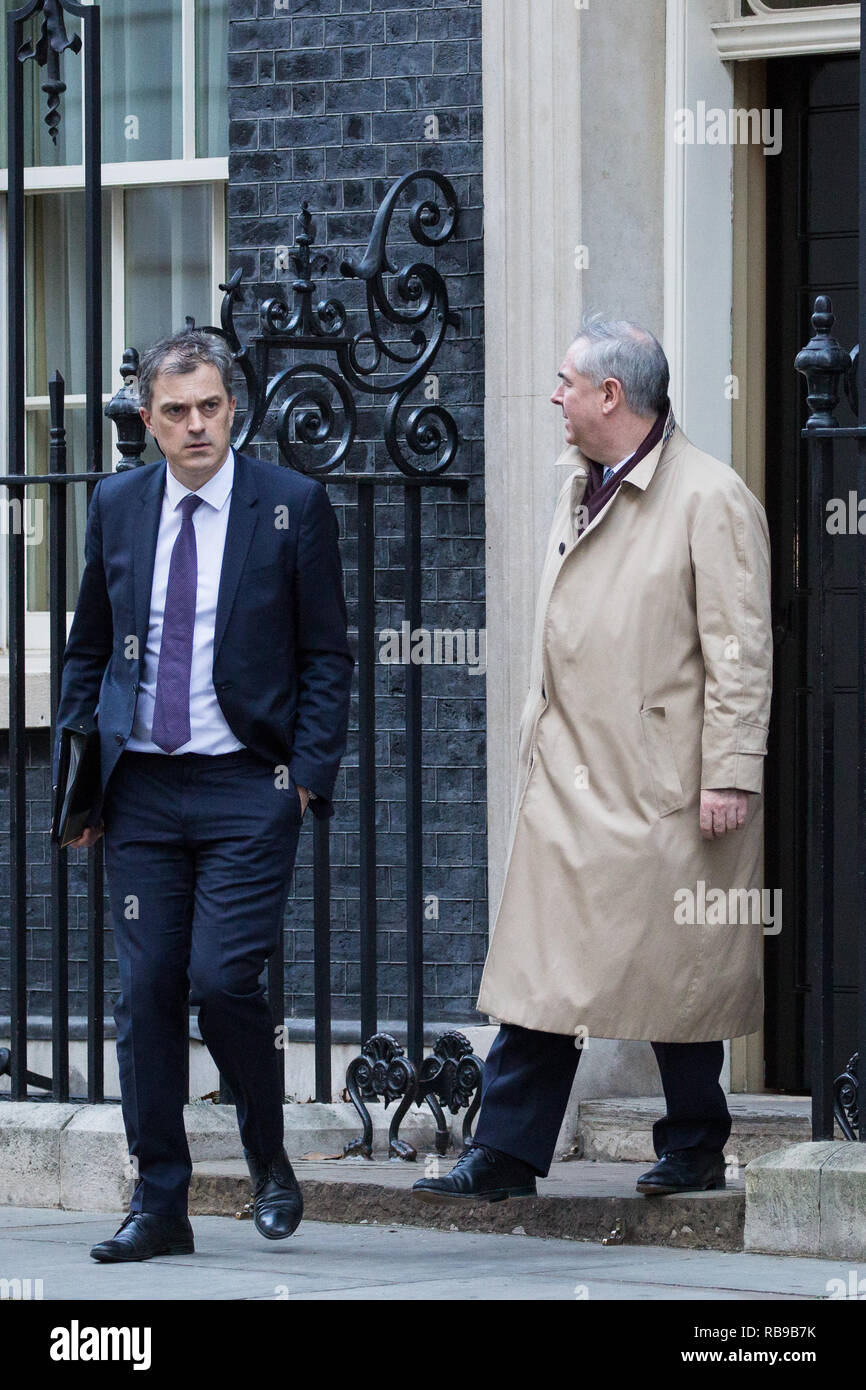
(215, 491)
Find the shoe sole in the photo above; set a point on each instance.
(138, 1259)
(501, 1194)
(654, 1190)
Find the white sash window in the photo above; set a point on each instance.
(165, 168)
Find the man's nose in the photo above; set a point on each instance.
(196, 423)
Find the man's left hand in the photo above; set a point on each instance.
(305, 798)
(722, 811)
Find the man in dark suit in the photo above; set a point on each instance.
(209, 648)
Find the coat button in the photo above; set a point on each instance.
(562, 548)
(118, 738)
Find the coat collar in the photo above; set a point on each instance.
(641, 475)
(239, 533)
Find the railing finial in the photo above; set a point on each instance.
(123, 410)
(826, 366)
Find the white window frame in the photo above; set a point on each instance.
(779, 33)
(116, 179)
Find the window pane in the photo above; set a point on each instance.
(38, 459)
(39, 149)
(168, 261)
(141, 85)
(141, 80)
(55, 328)
(211, 78)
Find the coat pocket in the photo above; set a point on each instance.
(660, 756)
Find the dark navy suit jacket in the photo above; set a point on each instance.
(282, 668)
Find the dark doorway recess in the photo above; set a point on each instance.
(812, 249)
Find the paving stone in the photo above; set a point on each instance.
(389, 1263)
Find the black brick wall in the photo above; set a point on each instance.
(330, 102)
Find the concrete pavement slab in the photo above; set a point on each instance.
(391, 1263)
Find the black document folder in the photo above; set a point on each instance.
(78, 784)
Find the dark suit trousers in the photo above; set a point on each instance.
(527, 1083)
(199, 853)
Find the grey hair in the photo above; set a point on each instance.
(182, 353)
(618, 348)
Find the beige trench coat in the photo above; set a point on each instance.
(651, 679)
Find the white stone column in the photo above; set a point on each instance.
(574, 157)
(574, 168)
(532, 304)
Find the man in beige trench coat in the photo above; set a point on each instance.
(631, 905)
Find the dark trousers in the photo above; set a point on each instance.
(528, 1078)
(199, 852)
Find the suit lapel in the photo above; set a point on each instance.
(144, 550)
(239, 533)
(243, 516)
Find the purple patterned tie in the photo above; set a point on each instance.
(171, 706)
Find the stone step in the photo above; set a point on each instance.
(580, 1200)
(620, 1130)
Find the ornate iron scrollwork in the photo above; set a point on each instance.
(381, 1072)
(451, 1074)
(449, 1077)
(852, 381)
(845, 1099)
(368, 361)
(53, 41)
(33, 1077)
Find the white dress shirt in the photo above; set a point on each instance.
(208, 728)
(608, 469)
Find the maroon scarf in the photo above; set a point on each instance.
(599, 493)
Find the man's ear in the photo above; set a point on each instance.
(149, 428)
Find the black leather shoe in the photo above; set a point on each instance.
(480, 1175)
(277, 1202)
(145, 1234)
(684, 1170)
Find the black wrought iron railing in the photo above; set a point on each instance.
(312, 407)
(831, 373)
